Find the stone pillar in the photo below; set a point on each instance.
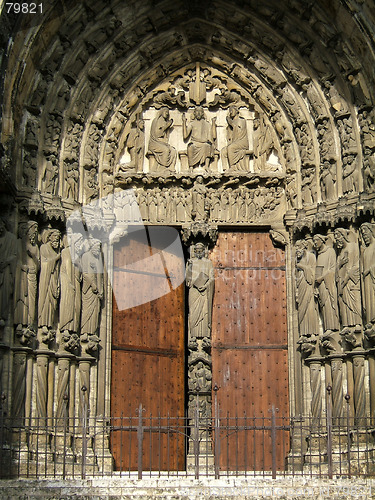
(72, 396)
(19, 384)
(337, 388)
(315, 365)
(84, 385)
(42, 358)
(62, 397)
(200, 288)
(371, 362)
(359, 387)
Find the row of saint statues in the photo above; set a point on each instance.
(336, 283)
(56, 284)
(200, 136)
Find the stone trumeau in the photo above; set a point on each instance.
(210, 118)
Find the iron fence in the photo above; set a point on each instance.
(192, 445)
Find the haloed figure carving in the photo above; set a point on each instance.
(238, 141)
(71, 277)
(325, 283)
(348, 280)
(200, 281)
(368, 273)
(202, 135)
(305, 277)
(26, 277)
(165, 154)
(49, 282)
(92, 288)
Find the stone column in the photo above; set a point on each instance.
(359, 387)
(371, 362)
(84, 385)
(42, 358)
(337, 388)
(19, 384)
(200, 279)
(315, 365)
(62, 396)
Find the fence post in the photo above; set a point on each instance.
(84, 430)
(329, 430)
(216, 431)
(140, 441)
(273, 439)
(347, 399)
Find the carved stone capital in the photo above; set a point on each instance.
(198, 231)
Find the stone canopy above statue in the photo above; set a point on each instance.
(198, 121)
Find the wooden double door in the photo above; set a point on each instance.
(249, 356)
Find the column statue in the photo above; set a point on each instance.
(8, 256)
(49, 279)
(347, 277)
(70, 278)
(200, 281)
(26, 283)
(368, 274)
(305, 281)
(92, 289)
(325, 289)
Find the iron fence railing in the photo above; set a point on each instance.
(194, 445)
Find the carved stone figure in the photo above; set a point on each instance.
(135, 143)
(158, 146)
(325, 283)
(70, 280)
(92, 288)
(348, 278)
(305, 282)
(263, 142)
(200, 282)
(238, 141)
(199, 200)
(26, 282)
(8, 256)
(349, 174)
(53, 131)
(368, 274)
(91, 186)
(328, 180)
(71, 180)
(200, 379)
(308, 186)
(50, 175)
(49, 279)
(202, 135)
(368, 169)
(345, 126)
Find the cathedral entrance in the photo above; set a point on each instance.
(249, 349)
(249, 357)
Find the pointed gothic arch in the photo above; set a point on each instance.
(304, 86)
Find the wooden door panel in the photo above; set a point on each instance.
(148, 359)
(249, 348)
